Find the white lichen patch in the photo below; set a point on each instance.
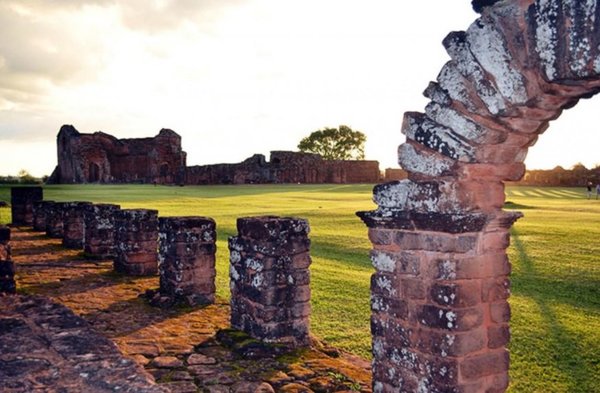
(257, 280)
(393, 195)
(451, 80)
(378, 304)
(455, 121)
(378, 348)
(383, 261)
(489, 47)
(451, 318)
(386, 284)
(235, 276)
(253, 264)
(411, 160)
(546, 35)
(235, 256)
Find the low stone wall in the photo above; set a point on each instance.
(55, 220)
(270, 280)
(22, 200)
(7, 266)
(73, 224)
(99, 230)
(187, 259)
(136, 242)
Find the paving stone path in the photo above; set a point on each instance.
(185, 349)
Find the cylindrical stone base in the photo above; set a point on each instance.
(99, 232)
(54, 220)
(136, 242)
(7, 266)
(270, 279)
(73, 224)
(187, 259)
(22, 200)
(40, 210)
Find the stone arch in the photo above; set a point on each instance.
(440, 315)
(164, 170)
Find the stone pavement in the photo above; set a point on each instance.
(180, 347)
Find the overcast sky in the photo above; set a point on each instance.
(233, 77)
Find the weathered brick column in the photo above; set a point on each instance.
(73, 224)
(270, 279)
(40, 210)
(22, 200)
(439, 301)
(55, 220)
(136, 242)
(7, 266)
(99, 231)
(187, 259)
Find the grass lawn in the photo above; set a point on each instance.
(555, 253)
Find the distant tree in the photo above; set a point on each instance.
(26, 178)
(340, 143)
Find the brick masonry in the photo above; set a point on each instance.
(99, 231)
(440, 316)
(55, 220)
(187, 247)
(40, 210)
(136, 242)
(7, 266)
(270, 279)
(73, 224)
(22, 200)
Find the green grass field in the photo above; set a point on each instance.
(555, 253)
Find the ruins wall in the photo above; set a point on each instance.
(102, 158)
(286, 167)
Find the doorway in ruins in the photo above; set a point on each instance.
(94, 172)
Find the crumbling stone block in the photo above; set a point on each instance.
(187, 259)
(40, 210)
(99, 230)
(7, 266)
(136, 242)
(270, 279)
(22, 200)
(55, 220)
(73, 224)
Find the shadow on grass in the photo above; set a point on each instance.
(511, 205)
(565, 348)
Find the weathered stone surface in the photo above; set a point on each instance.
(21, 202)
(73, 224)
(7, 266)
(187, 247)
(99, 232)
(45, 347)
(40, 210)
(55, 220)
(270, 292)
(136, 242)
(102, 158)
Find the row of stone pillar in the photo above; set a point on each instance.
(7, 266)
(269, 259)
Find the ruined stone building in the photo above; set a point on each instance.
(102, 158)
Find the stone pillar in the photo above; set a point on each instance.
(73, 224)
(99, 231)
(136, 242)
(7, 266)
(439, 301)
(270, 279)
(54, 220)
(187, 259)
(40, 210)
(22, 199)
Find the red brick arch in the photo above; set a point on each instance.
(440, 316)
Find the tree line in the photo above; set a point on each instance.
(577, 176)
